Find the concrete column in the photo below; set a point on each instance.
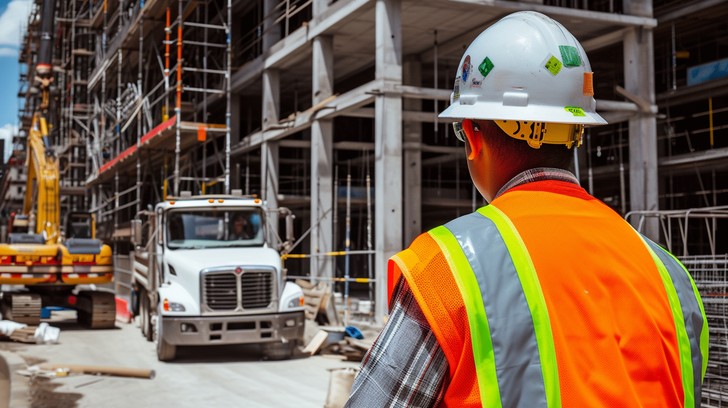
(319, 6)
(412, 72)
(271, 30)
(639, 73)
(387, 146)
(269, 184)
(271, 98)
(235, 115)
(322, 159)
(269, 150)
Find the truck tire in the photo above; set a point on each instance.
(145, 319)
(279, 351)
(165, 351)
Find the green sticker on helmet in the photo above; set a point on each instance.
(485, 67)
(553, 65)
(570, 56)
(575, 110)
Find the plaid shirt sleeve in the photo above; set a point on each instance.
(406, 366)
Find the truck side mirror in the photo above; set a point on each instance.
(136, 232)
(289, 227)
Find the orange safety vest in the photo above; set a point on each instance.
(547, 298)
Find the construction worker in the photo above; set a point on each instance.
(240, 229)
(545, 297)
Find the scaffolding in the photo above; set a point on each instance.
(153, 127)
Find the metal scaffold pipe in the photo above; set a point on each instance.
(370, 272)
(347, 248)
(228, 113)
(178, 101)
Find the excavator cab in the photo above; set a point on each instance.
(80, 225)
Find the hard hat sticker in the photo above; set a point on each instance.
(553, 65)
(456, 90)
(467, 67)
(485, 67)
(588, 84)
(575, 110)
(570, 56)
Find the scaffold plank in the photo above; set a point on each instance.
(158, 140)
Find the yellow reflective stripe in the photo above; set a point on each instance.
(535, 299)
(704, 331)
(483, 353)
(683, 342)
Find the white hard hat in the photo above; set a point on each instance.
(525, 67)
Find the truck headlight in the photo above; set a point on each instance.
(172, 306)
(296, 302)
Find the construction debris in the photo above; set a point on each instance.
(335, 340)
(317, 301)
(41, 334)
(62, 370)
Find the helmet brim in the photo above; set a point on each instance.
(496, 111)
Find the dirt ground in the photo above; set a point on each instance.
(41, 389)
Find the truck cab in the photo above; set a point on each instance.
(208, 270)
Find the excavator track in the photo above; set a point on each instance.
(22, 307)
(96, 310)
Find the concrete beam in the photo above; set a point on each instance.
(296, 43)
(687, 9)
(363, 95)
(611, 38)
(388, 146)
(585, 16)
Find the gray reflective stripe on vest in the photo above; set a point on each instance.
(518, 363)
(692, 314)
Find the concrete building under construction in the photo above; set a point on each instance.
(330, 108)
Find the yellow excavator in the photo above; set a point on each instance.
(43, 262)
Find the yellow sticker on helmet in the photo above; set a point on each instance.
(553, 65)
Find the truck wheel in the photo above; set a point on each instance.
(144, 315)
(279, 351)
(165, 351)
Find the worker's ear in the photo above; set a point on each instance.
(475, 140)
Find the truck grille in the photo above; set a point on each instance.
(226, 291)
(256, 288)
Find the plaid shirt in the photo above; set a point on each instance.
(406, 366)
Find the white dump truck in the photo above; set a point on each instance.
(207, 270)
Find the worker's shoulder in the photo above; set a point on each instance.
(472, 225)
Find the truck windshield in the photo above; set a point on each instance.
(197, 229)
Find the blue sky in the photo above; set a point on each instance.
(13, 19)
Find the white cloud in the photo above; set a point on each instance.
(12, 22)
(6, 133)
(8, 52)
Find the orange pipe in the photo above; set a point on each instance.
(166, 45)
(179, 63)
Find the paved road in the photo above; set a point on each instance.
(228, 376)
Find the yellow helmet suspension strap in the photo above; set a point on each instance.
(538, 133)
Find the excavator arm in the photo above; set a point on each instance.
(42, 190)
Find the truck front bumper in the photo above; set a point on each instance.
(208, 330)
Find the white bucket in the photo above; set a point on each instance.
(365, 306)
